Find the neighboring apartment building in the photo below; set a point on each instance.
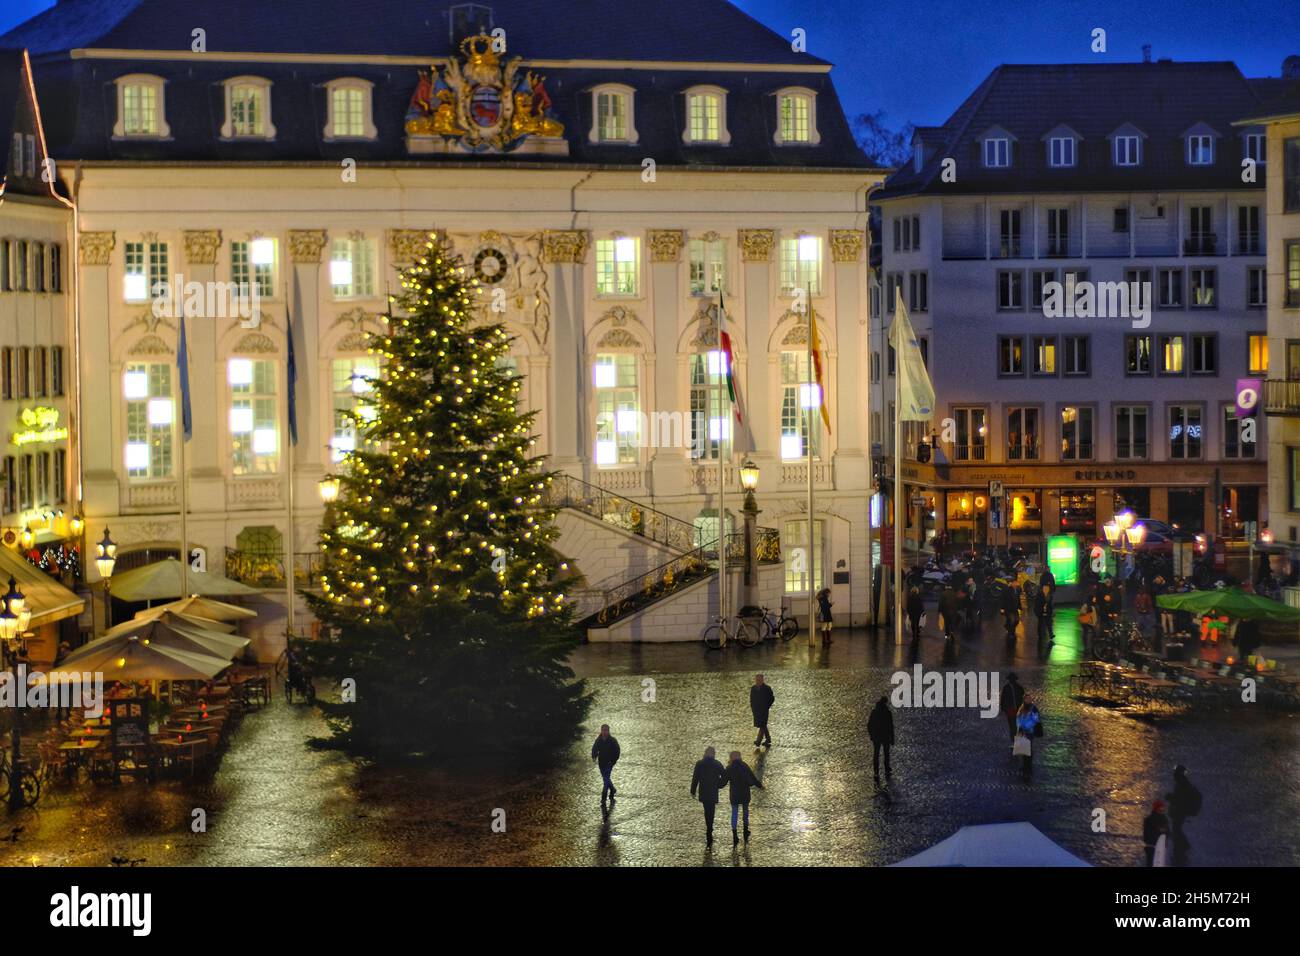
(1280, 116)
(1075, 174)
(38, 497)
(235, 165)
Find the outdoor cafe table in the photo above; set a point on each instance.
(175, 749)
(73, 751)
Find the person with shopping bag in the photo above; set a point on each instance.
(1155, 836)
(1028, 726)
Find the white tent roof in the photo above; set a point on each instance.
(995, 844)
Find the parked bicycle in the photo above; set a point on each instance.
(724, 630)
(27, 776)
(297, 678)
(1118, 642)
(770, 625)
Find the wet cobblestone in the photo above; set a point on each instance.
(274, 801)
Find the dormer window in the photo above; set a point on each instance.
(1255, 146)
(1062, 147)
(997, 152)
(612, 114)
(348, 101)
(796, 118)
(1200, 150)
(1128, 150)
(140, 108)
(918, 156)
(706, 116)
(248, 109)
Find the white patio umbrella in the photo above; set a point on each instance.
(162, 580)
(190, 620)
(162, 632)
(134, 659)
(195, 606)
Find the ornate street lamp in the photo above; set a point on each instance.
(14, 619)
(105, 558)
(329, 489)
(749, 481)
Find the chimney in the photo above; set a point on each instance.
(1146, 52)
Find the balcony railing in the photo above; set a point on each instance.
(1281, 397)
(1200, 244)
(265, 569)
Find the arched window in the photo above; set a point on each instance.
(711, 417)
(248, 109)
(613, 118)
(141, 107)
(352, 381)
(706, 116)
(615, 382)
(150, 419)
(800, 415)
(796, 117)
(348, 102)
(254, 415)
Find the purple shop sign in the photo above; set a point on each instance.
(1248, 394)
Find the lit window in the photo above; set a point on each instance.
(254, 418)
(1258, 353)
(799, 405)
(352, 382)
(617, 263)
(1076, 433)
(800, 561)
(706, 116)
(248, 109)
(708, 258)
(612, 117)
(796, 120)
(140, 109)
(710, 410)
(618, 409)
(352, 268)
(252, 265)
(801, 265)
(145, 271)
(150, 419)
(1185, 433)
(349, 110)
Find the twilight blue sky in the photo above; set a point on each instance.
(917, 60)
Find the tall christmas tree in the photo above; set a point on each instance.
(440, 587)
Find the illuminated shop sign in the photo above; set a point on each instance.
(40, 426)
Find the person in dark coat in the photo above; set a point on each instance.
(605, 751)
(1184, 802)
(949, 609)
(738, 778)
(1043, 609)
(1154, 827)
(761, 699)
(1047, 579)
(880, 728)
(824, 603)
(1013, 695)
(1247, 638)
(707, 779)
(1011, 611)
(915, 611)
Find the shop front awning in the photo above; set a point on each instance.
(48, 600)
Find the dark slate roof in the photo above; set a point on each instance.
(79, 100)
(11, 72)
(1278, 96)
(1162, 99)
(708, 31)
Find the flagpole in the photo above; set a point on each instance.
(899, 520)
(289, 543)
(183, 355)
(722, 478)
(812, 550)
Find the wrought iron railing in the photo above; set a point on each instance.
(565, 491)
(266, 569)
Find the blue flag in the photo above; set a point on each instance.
(293, 379)
(183, 361)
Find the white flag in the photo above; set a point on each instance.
(916, 391)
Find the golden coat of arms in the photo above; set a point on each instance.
(481, 104)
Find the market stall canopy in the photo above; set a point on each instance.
(995, 844)
(195, 606)
(207, 624)
(162, 580)
(170, 630)
(47, 599)
(1230, 602)
(133, 659)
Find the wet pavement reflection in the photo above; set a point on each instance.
(275, 801)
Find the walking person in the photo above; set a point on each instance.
(1011, 611)
(605, 751)
(1184, 802)
(1029, 724)
(880, 728)
(1087, 625)
(738, 778)
(1013, 695)
(761, 699)
(1155, 835)
(949, 610)
(707, 780)
(824, 603)
(915, 612)
(1043, 609)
